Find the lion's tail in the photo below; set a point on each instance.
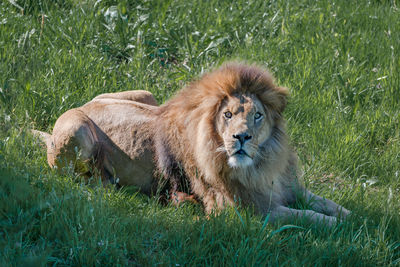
(42, 136)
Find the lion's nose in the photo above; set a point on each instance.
(243, 137)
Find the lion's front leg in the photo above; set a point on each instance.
(178, 198)
(325, 206)
(285, 214)
(214, 201)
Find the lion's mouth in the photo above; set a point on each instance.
(241, 152)
(240, 159)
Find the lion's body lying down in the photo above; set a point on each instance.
(115, 132)
(224, 135)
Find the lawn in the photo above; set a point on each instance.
(340, 60)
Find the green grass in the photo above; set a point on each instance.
(340, 60)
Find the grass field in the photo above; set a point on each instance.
(340, 59)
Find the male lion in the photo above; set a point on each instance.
(224, 135)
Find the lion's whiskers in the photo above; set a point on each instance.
(221, 149)
(256, 148)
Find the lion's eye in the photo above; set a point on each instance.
(228, 114)
(258, 116)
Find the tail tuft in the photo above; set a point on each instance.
(42, 136)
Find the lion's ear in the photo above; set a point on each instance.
(275, 98)
(283, 93)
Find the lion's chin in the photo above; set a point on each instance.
(239, 161)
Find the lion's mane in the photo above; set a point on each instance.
(186, 142)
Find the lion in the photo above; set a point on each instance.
(223, 135)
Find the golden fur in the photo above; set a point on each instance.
(224, 135)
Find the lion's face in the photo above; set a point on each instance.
(244, 125)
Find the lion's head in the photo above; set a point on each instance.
(246, 109)
(231, 121)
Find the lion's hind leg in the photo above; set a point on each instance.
(74, 142)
